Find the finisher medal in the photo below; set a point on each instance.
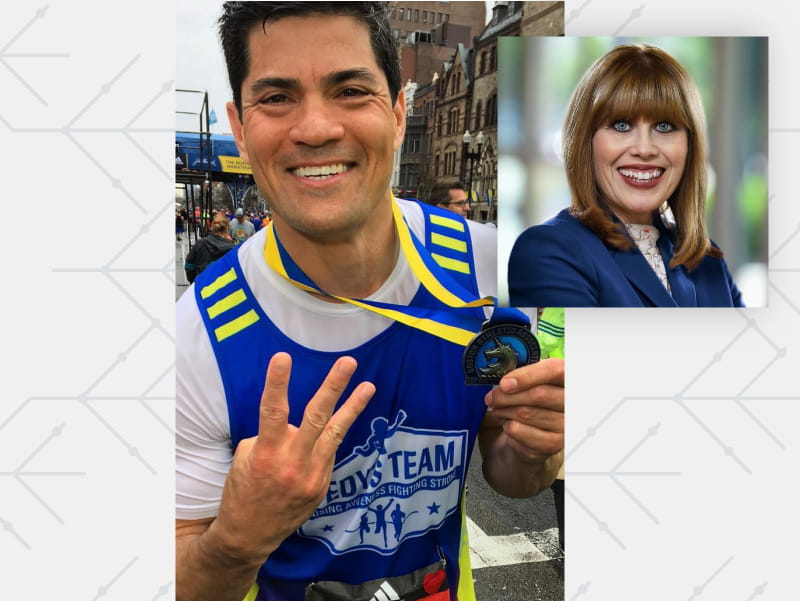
(504, 343)
(498, 349)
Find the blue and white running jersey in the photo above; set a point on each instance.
(394, 501)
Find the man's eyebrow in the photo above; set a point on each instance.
(361, 74)
(282, 83)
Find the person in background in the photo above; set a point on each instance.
(210, 248)
(241, 227)
(453, 198)
(180, 225)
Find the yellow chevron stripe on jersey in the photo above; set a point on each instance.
(234, 298)
(449, 242)
(235, 325)
(420, 270)
(453, 264)
(453, 224)
(223, 280)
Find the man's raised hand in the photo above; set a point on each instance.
(278, 478)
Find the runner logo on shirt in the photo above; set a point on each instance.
(401, 483)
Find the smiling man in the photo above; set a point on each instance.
(339, 475)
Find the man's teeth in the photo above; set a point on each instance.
(320, 170)
(641, 176)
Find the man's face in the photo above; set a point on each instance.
(318, 126)
(458, 202)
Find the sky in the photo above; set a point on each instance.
(200, 64)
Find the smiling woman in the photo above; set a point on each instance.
(638, 165)
(635, 156)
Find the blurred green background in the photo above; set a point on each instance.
(536, 77)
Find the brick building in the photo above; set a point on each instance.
(427, 33)
(462, 96)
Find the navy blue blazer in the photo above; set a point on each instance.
(562, 263)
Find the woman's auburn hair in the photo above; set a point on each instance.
(626, 83)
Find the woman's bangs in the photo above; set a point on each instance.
(633, 94)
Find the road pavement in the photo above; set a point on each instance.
(513, 543)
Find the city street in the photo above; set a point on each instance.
(513, 542)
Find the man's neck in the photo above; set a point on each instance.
(354, 265)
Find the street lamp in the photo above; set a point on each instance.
(471, 156)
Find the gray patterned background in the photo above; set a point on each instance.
(682, 425)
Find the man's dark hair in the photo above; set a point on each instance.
(440, 195)
(238, 19)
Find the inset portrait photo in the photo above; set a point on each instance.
(633, 171)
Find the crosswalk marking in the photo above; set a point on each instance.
(492, 551)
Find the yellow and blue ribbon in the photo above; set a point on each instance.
(456, 326)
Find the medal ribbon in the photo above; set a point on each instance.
(458, 326)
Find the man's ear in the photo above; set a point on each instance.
(400, 114)
(238, 130)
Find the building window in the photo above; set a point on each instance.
(452, 125)
(456, 83)
(491, 110)
(478, 110)
(446, 17)
(482, 66)
(493, 59)
(439, 125)
(436, 165)
(411, 145)
(424, 16)
(416, 15)
(399, 14)
(438, 18)
(450, 161)
(409, 177)
(408, 14)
